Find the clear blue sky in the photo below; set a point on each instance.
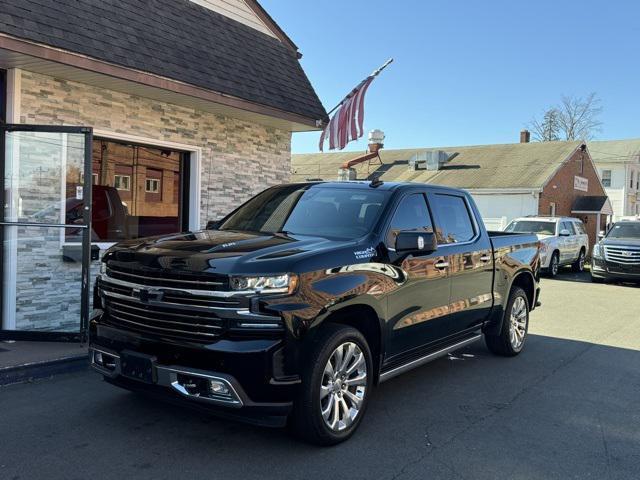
(467, 72)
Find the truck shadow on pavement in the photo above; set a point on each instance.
(570, 405)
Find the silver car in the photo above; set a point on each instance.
(564, 240)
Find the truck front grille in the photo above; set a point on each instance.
(164, 310)
(162, 278)
(622, 255)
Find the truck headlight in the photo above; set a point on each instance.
(597, 251)
(285, 283)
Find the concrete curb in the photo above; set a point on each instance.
(32, 371)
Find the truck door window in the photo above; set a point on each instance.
(454, 218)
(411, 214)
(568, 226)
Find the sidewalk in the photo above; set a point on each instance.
(26, 361)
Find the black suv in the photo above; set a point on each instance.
(294, 306)
(617, 255)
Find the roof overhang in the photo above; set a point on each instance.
(504, 191)
(38, 58)
(606, 209)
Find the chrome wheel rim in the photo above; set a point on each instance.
(554, 265)
(518, 323)
(343, 388)
(581, 261)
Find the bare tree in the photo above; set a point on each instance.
(547, 129)
(576, 118)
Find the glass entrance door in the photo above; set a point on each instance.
(46, 226)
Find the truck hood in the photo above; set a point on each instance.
(542, 237)
(224, 252)
(621, 242)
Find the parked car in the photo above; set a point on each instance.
(304, 298)
(617, 255)
(564, 240)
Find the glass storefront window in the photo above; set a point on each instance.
(136, 192)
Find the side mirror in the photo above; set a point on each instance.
(601, 234)
(564, 232)
(416, 242)
(212, 224)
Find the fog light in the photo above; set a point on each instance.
(218, 387)
(104, 360)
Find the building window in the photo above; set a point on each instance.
(633, 176)
(606, 178)
(122, 182)
(152, 185)
(95, 179)
(130, 181)
(552, 209)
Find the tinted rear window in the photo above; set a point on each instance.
(455, 219)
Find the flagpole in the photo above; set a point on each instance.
(375, 73)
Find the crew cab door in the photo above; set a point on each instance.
(469, 254)
(569, 245)
(419, 308)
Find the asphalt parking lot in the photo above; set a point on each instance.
(568, 407)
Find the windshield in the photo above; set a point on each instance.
(625, 230)
(540, 227)
(345, 213)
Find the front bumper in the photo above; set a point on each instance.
(601, 268)
(235, 377)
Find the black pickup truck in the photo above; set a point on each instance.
(294, 306)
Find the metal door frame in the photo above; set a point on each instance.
(81, 335)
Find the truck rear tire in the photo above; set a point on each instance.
(337, 382)
(515, 325)
(578, 265)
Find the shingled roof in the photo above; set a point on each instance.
(615, 151)
(518, 165)
(176, 39)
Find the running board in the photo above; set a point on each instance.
(426, 359)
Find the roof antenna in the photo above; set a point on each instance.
(376, 182)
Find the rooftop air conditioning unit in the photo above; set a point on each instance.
(428, 160)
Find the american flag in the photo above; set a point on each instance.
(348, 120)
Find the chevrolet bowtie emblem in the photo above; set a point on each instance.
(146, 295)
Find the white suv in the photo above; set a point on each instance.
(564, 240)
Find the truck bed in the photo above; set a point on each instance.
(507, 239)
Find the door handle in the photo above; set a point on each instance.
(441, 264)
(485, 258)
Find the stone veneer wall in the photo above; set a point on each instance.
(239, 159)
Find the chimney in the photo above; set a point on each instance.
(525, 136)
(347, 170)
(376, 137)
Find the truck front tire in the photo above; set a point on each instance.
(578, 265)
(336, 385)
(554, 265)
(515, 325)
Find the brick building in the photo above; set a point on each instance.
(506, 181)
(192, 106)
